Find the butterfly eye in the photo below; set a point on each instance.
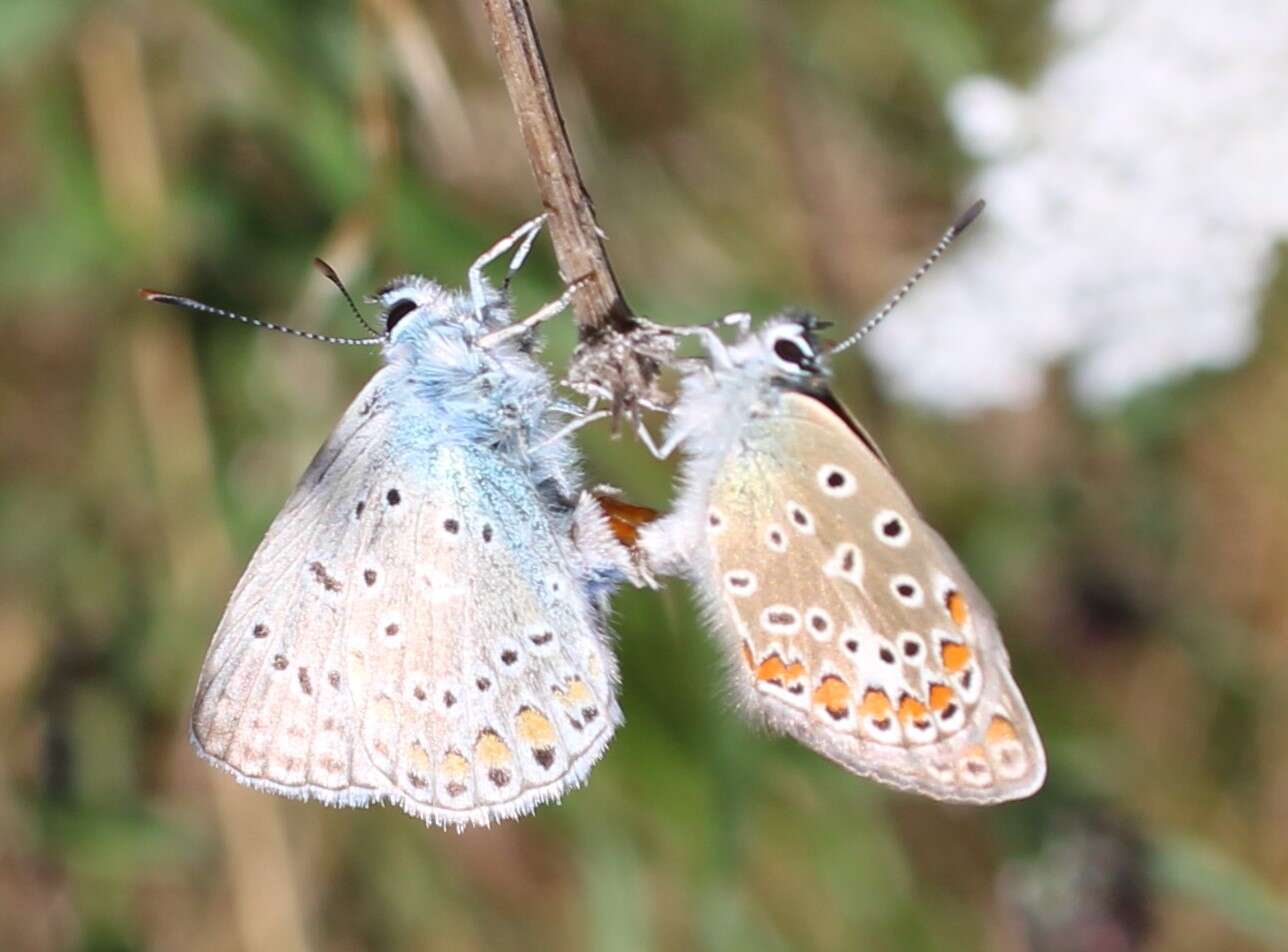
(397, 311)
(792, 354)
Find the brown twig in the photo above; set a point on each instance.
(578, 248)
(620, 354)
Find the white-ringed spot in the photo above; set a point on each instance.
(740, 583)
(969, 683)
(447, 697)
(911, 648)
(508, 656)
(780, 620)
(419, 691)
(541, 639)
(885, 652)
(973, 768)
(851, 642)
(799, 518)
(836, 481)
(775, 537)
(818, 623)
(891, 528)
(907, 590)
(950, 716)
(846, 563)
(940, 771)
(715, 521)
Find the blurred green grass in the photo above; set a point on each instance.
(741, 157)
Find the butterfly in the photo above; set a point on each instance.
(849, 624)
(424, 623)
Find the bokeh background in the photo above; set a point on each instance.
(742, 155)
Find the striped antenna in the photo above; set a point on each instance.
(328, 272)
(173, 299)
(960, 225)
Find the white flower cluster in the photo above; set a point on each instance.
(1135, 196)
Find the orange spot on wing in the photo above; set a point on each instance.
(419, 759)
(771, 669)
(491, 749)
(833, 694)
(955, 656)
(794, 671)
(875, 704)
(534, 728)
(575, 693)
(748, 657)
(624, 519)
(1000, 729)
(910, 709)
(455, 766)
(955, 602)
(941, 695)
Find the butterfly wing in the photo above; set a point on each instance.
(273, 703)
(388, 640)
(853, 626)
(483, 681)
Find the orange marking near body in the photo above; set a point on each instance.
(956, 605)
(833, 694)
(624, 519)
(1000, 729)
(955, 656)
(910, 709)
(748, 657)
(875, 704)
(771, 669)
(941, 695)
(794, 671)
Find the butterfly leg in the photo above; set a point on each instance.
(542, 314)
(739, 319)
(668, 446)
(716, 348)
(523, 236)
(572, 427)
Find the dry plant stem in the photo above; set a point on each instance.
(620, 354)
(599, 304)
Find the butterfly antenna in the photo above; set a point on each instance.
(960, 225)
(173, 299)
(328, 272)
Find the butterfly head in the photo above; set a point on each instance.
(785, 351)
(407, 300)
(412, 307)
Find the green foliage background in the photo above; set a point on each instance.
(742, 155)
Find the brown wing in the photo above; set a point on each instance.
(855, 629)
